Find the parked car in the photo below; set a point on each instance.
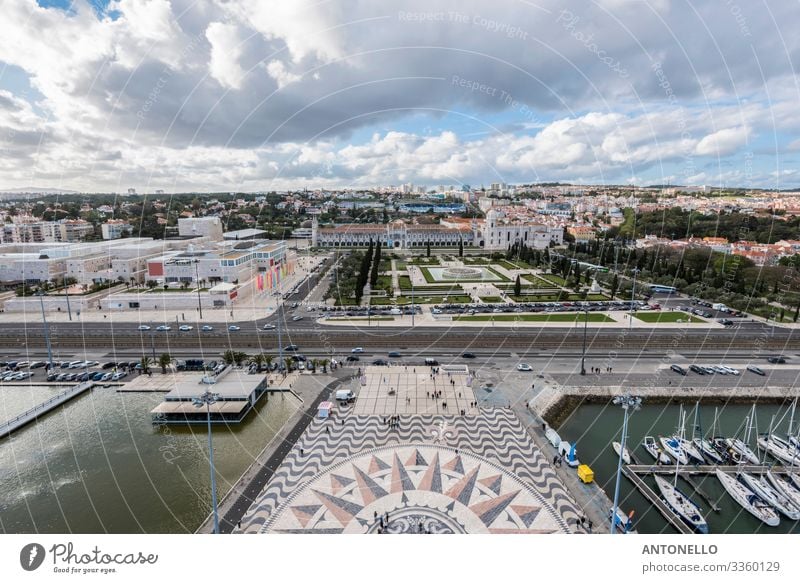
(678, 369)
(754, 369)
(696, 369)
(118, 376)
(108, 365)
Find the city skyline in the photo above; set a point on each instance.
(245, 96)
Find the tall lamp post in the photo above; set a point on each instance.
(197, 283)
(633, 296)
(46, 329)
(629, 404)
(583, 355)
(413, 309)
(207, 399)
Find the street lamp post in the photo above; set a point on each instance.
(583, 355)
(66, 295)
(633, 297)
(628, 403)
(46, 330)
(197, 283)
(207, 399)
(413, 309)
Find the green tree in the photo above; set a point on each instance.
(614, 286)
(460, 247)
(428, 249)
(517, 287)
(164, 361)
(145, 362)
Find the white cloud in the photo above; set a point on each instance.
(722, 142)
(226, 51)
(277, 70)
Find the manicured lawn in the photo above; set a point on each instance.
(345, 318)
(538, 282)
(509, 265)
(454, 299)
(430, 279)
(664, 317)
(491, 299)
(424, 261)
(535, 318)
(552, 278)
(475, 260)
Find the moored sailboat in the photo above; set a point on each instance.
(748, 500)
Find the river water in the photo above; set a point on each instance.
(595, 426)
(99, 465)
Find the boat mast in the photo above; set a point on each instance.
(791, 417)
(767, 441)
(680, 445)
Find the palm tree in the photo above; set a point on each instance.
(164, 361)
(268, 358)
(151, 284)
(315, 364)
(228, 357)
(258, 360)
(324, 362)
(288, 362)
(145, 362)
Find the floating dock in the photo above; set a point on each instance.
(8, 427)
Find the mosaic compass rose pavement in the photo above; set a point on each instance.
(432, 474)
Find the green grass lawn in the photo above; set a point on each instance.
(535, 318)
(552, 278)
(347, 319)
(491, 299)
(454, 299)
(475, 260)
(665, 317)
(539, 282)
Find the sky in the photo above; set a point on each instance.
(254, 95)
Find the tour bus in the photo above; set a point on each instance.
(663, 289)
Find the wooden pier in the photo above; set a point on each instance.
(34, 413)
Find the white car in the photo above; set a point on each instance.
(143, 328)
(524, 367)
(297, 318)
(731, 370)
(118, 375)
(234, 328)
(207, 328)
(357, 350)
(269, 327)
(186, 328)
(164, 328)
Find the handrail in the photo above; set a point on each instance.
(42, 405)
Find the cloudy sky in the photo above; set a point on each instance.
(269, 94)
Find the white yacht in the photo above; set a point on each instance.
(784, 487)
(672, 446)
(748, 500)
(652, 448)
(626, 455)
(746, 454)
(707, 449)
(778, 448)
(682, 505)
(768, 494)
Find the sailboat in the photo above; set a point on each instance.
(748, 500)
(652, 448)
(626, 455)
(777, 448)
(784, 487)
(769, 495)
(682, 505)
(706, 446)
(679, 502)
(741, 447)
(672, 446)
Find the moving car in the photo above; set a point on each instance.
(776, 360)
(357, 349)
(467, 355)
(380, 362)
(234, 328)
(297, 318)
(186, 328)
(143, 328)
(269, 327)
(754, 369)
(352, 358)
(524, 367)
(395, 354)
(206, 328)
(291, 348)
(163, 328)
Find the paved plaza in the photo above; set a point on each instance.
(431, 472)
(406, 390)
